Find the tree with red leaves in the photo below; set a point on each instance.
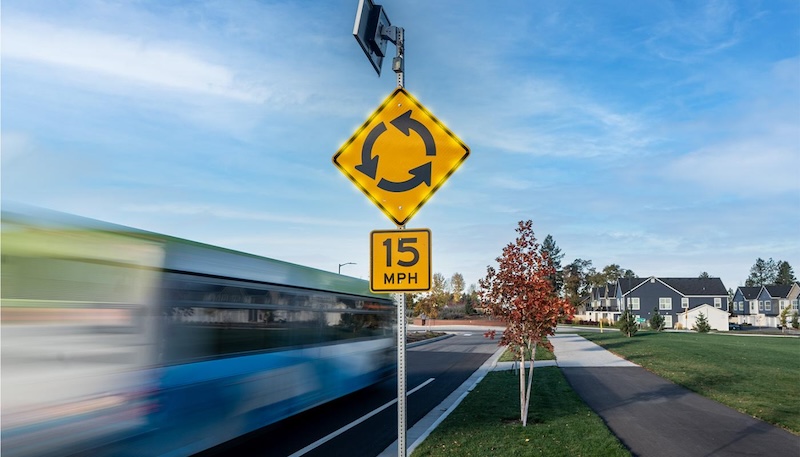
(521, 294)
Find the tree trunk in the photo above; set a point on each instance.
(530, 382)
(522, 385)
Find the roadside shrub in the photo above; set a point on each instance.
(701, 324)
(452, 312)
(469, 309)
(627, 323)
(784, 317)
(657, 321)
(795, 322)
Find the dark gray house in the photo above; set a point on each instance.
(771, 300)
(745, 304)
(670, 296)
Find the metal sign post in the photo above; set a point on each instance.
(405, 261)
(372, 29)
(401, 376)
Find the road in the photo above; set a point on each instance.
(370, 416)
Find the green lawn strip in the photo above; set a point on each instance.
(756, 375)
(487, 422)
(541, 354)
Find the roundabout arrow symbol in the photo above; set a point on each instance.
(369, 164)
(405, 123)
(421, 175)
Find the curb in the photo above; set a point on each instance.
(465, 388)
(429, 340)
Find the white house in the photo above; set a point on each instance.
(717, 318)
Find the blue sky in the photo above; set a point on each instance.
(661, 136)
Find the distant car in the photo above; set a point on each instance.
(734, 326)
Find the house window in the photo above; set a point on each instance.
(667, 321)
(684, 303)
(634, 302)
(795, 305)
(761, 305)
(717, 302)
(767, 305)
(784, 304)
(665, 303)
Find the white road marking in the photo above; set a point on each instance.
(347, 427)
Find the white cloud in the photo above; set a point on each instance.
(137, 60)
(698, 31)
(226, 212)
(749, 168)
(751, 148)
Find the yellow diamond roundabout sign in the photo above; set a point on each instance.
(400, 156)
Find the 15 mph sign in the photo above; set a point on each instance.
(400, 156)
(400, 260)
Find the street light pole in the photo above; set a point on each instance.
(343, 264)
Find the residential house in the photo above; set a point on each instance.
(582, 307)
(604, 304)
(794, 298)
(670, 297)
(771, 300)
(745, 304)
(717, 318)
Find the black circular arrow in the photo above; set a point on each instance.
(405, 124)
(420, 175)
(369, 164)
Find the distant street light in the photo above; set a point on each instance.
(343, 264)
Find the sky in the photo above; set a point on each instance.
(662, 136)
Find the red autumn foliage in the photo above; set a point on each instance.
(520, 293)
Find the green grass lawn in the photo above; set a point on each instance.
(759, 376)
(487, 422)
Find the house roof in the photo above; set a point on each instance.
(595, 293)
(749, 293)
(778, 291)
(606, 291)
(684, 286)
(626, 284)
(696, 286)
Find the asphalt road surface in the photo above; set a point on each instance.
(365, 423)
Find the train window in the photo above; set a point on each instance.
(200, 332)
(216, 318)
(205, 319)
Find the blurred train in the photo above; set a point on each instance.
(117, 341)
